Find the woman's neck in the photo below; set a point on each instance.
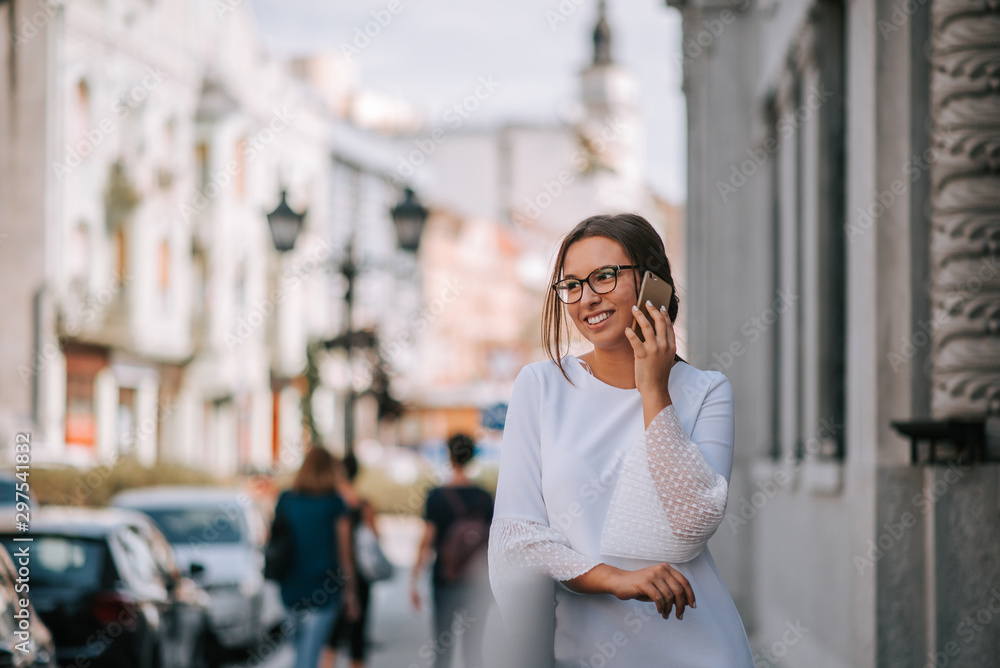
(614, 367)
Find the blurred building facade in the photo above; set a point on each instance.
(520, 188)
(149, 312)
(842, 253)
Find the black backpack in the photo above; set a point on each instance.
(463, 547)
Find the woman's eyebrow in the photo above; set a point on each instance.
(565, 275)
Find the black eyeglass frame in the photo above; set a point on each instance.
(618, 269)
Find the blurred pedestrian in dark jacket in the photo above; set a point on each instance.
(360, 511)
(320, 579)
(458, 516)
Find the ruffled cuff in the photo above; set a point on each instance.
(522, 545)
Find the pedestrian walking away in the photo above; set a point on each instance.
(458, 516)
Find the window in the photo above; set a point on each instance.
(807, 124)
(121, 255)
(201, 158)
(163, 275)
(241, 168)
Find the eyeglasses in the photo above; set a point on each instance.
(602, 281)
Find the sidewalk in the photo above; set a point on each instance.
(401, 636)
(397, 631)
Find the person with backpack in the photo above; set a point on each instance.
(458, 516)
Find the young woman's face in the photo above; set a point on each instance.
(601, 319)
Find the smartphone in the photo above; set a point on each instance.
(656, 290)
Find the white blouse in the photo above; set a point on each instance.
(582, 483)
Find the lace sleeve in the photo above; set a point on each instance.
(522, 545)
(668, 501)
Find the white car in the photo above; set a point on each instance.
(221, 533)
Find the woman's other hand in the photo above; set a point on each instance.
(661, 584)
(352, 610)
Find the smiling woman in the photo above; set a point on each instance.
(614, 474)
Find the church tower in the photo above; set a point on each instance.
(610, 130)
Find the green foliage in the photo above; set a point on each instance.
(69, 486)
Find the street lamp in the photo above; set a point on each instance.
(409, 217)
(285, 225)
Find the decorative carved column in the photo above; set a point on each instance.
(965, 208)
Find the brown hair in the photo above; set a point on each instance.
(319, 473)
(642, 246)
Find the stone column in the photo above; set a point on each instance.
(965, 208)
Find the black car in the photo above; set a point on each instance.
(105, 584)
(25, 641)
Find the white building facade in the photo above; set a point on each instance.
(150, 313)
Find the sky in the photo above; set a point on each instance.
(432, 53)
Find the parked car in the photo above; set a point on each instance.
(222, 533)
(105, 584)
(19, 647)
(9, 487)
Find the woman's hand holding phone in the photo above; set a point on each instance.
(655, 354)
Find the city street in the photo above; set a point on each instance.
(397, 633)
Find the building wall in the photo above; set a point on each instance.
(813, 536)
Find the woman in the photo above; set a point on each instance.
(457, 518)
(614, 473)
(320, 577)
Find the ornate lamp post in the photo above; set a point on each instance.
(409, 217)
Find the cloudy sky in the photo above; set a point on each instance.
(432, 52)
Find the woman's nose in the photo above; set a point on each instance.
(589, 296)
